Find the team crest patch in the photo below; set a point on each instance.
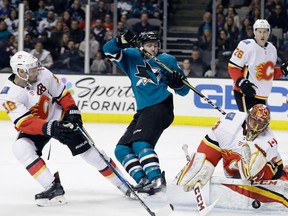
(5, 90)
(230, 116)
(246, 42)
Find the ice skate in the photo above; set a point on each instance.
(157, 185)
(126, 191)
(54, 195)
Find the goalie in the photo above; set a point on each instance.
(246, 144)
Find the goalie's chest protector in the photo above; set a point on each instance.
(229, 133)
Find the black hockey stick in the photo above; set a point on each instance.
(185, 81)
(163, 212)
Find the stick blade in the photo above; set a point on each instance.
(166, 210)
(206, 211)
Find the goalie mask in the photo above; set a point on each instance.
(25, 61)
(147, 36)
(257, 121)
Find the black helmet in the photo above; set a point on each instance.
(147, 36)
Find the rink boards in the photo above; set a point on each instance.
(110, 99)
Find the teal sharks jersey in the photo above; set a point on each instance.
(148, 80)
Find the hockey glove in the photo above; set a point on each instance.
(175, 80)
(127, 39)
(60, 130)
(73, 115)
(246, 87)
(284, 68)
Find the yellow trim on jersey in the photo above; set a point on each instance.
(234, 66)
(19, 122)
(261, 97)
(217, 148)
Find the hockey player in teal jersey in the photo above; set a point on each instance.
(136, 148)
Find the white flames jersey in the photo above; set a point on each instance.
(228, 132)
(257, 63)
(38, 101)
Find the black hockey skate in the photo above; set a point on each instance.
(151, 188)
(54, 195)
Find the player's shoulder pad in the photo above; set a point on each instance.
(235, 115)
(166, 58)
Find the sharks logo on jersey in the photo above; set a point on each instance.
(147, 74)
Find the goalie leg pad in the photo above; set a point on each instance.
(197, 170)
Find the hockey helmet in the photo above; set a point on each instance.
(257, 121)
(25, 61)
(147, 36)
(261, 23)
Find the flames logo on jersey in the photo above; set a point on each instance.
(230, 159)
(41, 109)
(265, 71)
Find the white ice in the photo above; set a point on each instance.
(90, 194)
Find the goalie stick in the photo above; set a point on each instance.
(162, 212)
(203, 209)
(185, 81)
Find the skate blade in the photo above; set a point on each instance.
(56, 201)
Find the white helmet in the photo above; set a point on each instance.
(261, 23)
(25, 61)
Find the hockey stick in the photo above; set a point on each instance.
(163, 212)
(202, 207)
(185, 81)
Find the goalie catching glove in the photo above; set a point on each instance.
(198, 169)
(252, 163)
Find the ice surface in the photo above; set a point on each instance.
(87, 192)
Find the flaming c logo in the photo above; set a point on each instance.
(40, 110)
(265, 71)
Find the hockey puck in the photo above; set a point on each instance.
(256, 204)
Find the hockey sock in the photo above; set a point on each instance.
(129, 161)
(92, 157)
(40, 172)
(148, 159)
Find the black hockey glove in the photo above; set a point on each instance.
(60, 130)
(175, 80)
(73, 115)
(127, 39)
(246, 87)
(284, 68)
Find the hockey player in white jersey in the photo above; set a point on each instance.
(246, 144)
(41, 107)
(252, 68)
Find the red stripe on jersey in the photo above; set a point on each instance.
(212, 152)
(30, 125)
(36, 167)
(67, 101)
(235, 72)
(107, 172)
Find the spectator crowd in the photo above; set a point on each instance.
(234, 22)
(54, 30)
